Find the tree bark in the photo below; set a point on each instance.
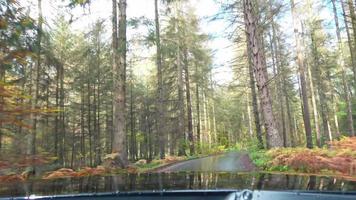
(256, 51)
(197, 101)
(189, 103)
(181, 118)
(213, 108)
(160, 103)
(255, 104)
(119, 75)
(315, 109)
(90, 134)
(2, 80)
(82, 128)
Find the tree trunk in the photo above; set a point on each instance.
(255, 104)
(197, 106)
(181, 120)
(95, 125)
(315, 109)
(98, 147)
(301, 64)
(61, 117)
(189, 103)
(321, 91)
(31, 146)
(256, 51)
(277, 64)
(2, 80)
(250, 131)
(160, 103)
(133, 144)
(82, 128)
(213, 108)
(56, 119)
(90, 134)
(119, 70)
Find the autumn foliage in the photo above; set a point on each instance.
(339, 157)
(23, 161)
(12, 178)
(66, 172)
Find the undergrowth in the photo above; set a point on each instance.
(337, 157)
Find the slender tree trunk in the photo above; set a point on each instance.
(250, 131)
(189, 104)
(197, 105)
(73, 149)
(31, 146)
(82, 122)
(256, 51)
(56, 119)
(301, 64)
(132, 120)
(95, 127)
(315, 109)
(206, 129)
(97, 143)
(290, 120)
(90, 134)
(255, 103)
(181, 120)
(277, 72)
(209, 122)
(213, 108)
(119, 72)
(321, 90)
(160, 103)
(61, 118)
(2, 80)
(98, 147)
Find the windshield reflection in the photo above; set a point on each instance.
(175, 181)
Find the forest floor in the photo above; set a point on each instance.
(15, 169)
(337, 158)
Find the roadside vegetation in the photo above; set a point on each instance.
(336, 158)
(14, 169)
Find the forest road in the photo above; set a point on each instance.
(227, 162)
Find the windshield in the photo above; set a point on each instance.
(131, 95)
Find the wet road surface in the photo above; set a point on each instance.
(228, 162)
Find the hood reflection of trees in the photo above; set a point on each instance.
(176, 181)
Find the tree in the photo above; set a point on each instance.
(301, 65)
(31, 151)
(255, 103)
(119, 72)
(160, 92)
(256, 50)
(341, 63)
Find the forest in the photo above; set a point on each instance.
(146, 88)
